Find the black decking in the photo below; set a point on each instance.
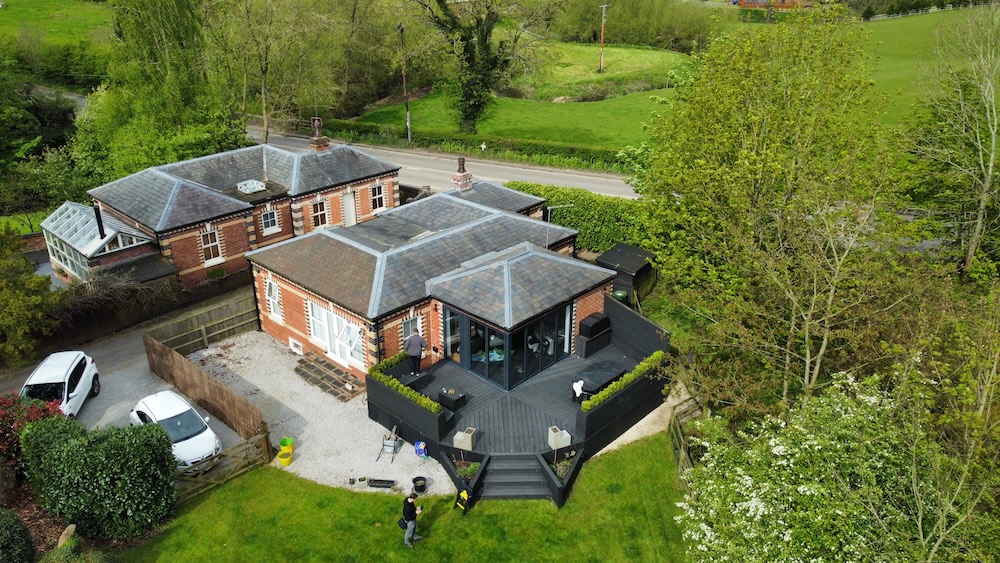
(517, 420)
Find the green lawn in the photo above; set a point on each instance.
(17, 222)
(57, 21)
(901, 46)
(621, 508)
(611, 123)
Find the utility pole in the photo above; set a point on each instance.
(406, 98)
(604, 18)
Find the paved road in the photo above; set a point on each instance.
(435, 170)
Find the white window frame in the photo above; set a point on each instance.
(272, 291)
(295, 346)
(216, 244)
(406, 328)
(319, 219)
(379, 197)
(319, 330)
(264, 219)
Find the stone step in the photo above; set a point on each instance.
(322, 373)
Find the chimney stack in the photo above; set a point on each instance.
(461, 179)
(318, 142)
(100, 223)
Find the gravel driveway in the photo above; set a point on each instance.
(334, 441)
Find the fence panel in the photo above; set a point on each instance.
(228, 465)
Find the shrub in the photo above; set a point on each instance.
(45, 438)
(602, 220)
(650, 364)
(15, 539)
(114, 483)
(73, 552)
(378, 372)
(15, 414)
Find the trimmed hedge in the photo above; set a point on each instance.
(114, 483)
(15, 539)
(602, 220)
(378, 372)
(540, 152)
(650, 364)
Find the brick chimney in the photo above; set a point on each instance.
(318, 142)
(461, 179)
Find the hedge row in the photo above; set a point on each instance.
(378, 373)
(113, 483)
(540, 152)
(15, 414)
(15, 539)
(602, 220)
(652, 363)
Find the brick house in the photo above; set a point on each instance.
(497, 292)
(202, 215)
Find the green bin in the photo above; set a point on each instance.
(620, 295)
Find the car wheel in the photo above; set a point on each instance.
(95, 386)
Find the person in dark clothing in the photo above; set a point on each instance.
(410, 513)
(414, 346)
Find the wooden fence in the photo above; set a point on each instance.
(229, 464)
(680, 445)
(209, 325)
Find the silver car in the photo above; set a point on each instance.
(67, 377)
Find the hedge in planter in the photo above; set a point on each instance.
(114, 483)
(378, 372)
(645, 367)
(15, 539)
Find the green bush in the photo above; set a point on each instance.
(601, 219)
(378, 373)
(114, 483)
(650, 364)
(73, 552)
(44, 438)
(15, 539)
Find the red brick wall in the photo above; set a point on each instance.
(186, 254)
(392, 335)
(587, 305)
(284, 215)
(294, 321)
(126, 254)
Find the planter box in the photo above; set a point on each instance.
(388, 407)
(617, 414)
(558, 439)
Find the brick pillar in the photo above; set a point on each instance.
(461, 179)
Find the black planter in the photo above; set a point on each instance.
(390, 408)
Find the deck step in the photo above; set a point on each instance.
(324, 374)
(514, 476)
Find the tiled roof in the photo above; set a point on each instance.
(76, 225)
(498, 196)
(404, 261)
(201, 189)
(325, 265)
(509, 287)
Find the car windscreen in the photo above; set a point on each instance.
(44, 391)
(183, 426)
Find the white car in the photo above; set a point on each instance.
(67, 377)
(193, 440)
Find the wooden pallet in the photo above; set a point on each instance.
(322, 373)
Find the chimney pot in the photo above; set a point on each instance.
(461, 165)
(461, 179)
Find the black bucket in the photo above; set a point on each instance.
(420, 485)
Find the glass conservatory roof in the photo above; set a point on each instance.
(76, 225)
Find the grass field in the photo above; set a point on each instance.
(901, 46)
(621, 508)
(56, 21)
(611, 123)
(17, 222)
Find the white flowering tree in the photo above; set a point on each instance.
(849, 476)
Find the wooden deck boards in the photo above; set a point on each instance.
(518, 420)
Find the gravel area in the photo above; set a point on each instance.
(334, 441)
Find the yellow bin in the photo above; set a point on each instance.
(284, 458)
(287, 444)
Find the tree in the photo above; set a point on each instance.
(482, 63)
(269, 52)
(21, 128)
(25, 302)
(771, 196)
(960, 133)
(851, 475)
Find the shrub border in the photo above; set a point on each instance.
(650, 364)
(378, 371)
